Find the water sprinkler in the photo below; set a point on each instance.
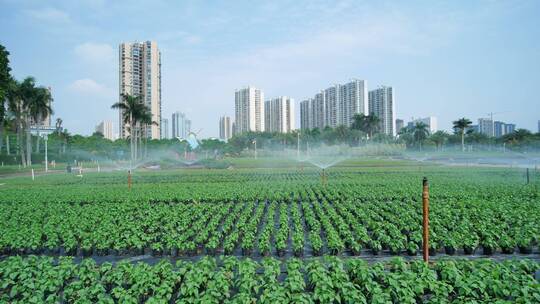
(129, 179)
(323, 177)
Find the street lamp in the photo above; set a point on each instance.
(45, 138)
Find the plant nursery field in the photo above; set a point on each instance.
(271, 235)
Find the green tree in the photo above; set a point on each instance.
(369, 124)
(5, 79)
(439, 138)
(35, 104)
(133, 110)
(16, 107)
(460, 126)
(420, 133)
(39, 107)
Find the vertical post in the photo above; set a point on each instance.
(33, 177)
(255, 142)
(46, 156)
(129, 179)
(527, 176)
(425, 221)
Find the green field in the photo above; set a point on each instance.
(272, 232)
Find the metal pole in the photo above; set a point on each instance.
(527, 176)
(46, 156)
(425, 221)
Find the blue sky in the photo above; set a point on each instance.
(446, 59)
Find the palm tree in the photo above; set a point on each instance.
(439, 138)
(36, 104)
(5, 79)
(39, 107)
(145, 118)
(58, 124)
(16, 108)
(133, 111)
(369, 124)
(460, 126)
(420, 133)
(372, 124)
(128, 106)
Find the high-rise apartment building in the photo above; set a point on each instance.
(305, 114)
(331, 104)
(106, 128)
(165, 128)
(400, 124)
(353, 99)
(382, 105)
(318, 111)
(249, 110)
(279, 114)
(499, 128)
(509, 128)
(335, 105)
(140, 75)
(494, 129)
(181, 125)
(225, 128)
(485, 126)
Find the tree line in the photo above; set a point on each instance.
(24, 103)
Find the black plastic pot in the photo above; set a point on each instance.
(298, 253)
(469, 250)
(432, 251)
(280, 252)
(317, 252)
(375, 251)
(525, 250)
(508, 250)
(449, 250)
(488, 250)
(334, 252)
(86, 252)
(411, 252)
(395, 252)
(102, 252)
(209, 251)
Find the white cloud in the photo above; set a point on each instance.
(95, 53)
(87, 86)
(49, 14)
